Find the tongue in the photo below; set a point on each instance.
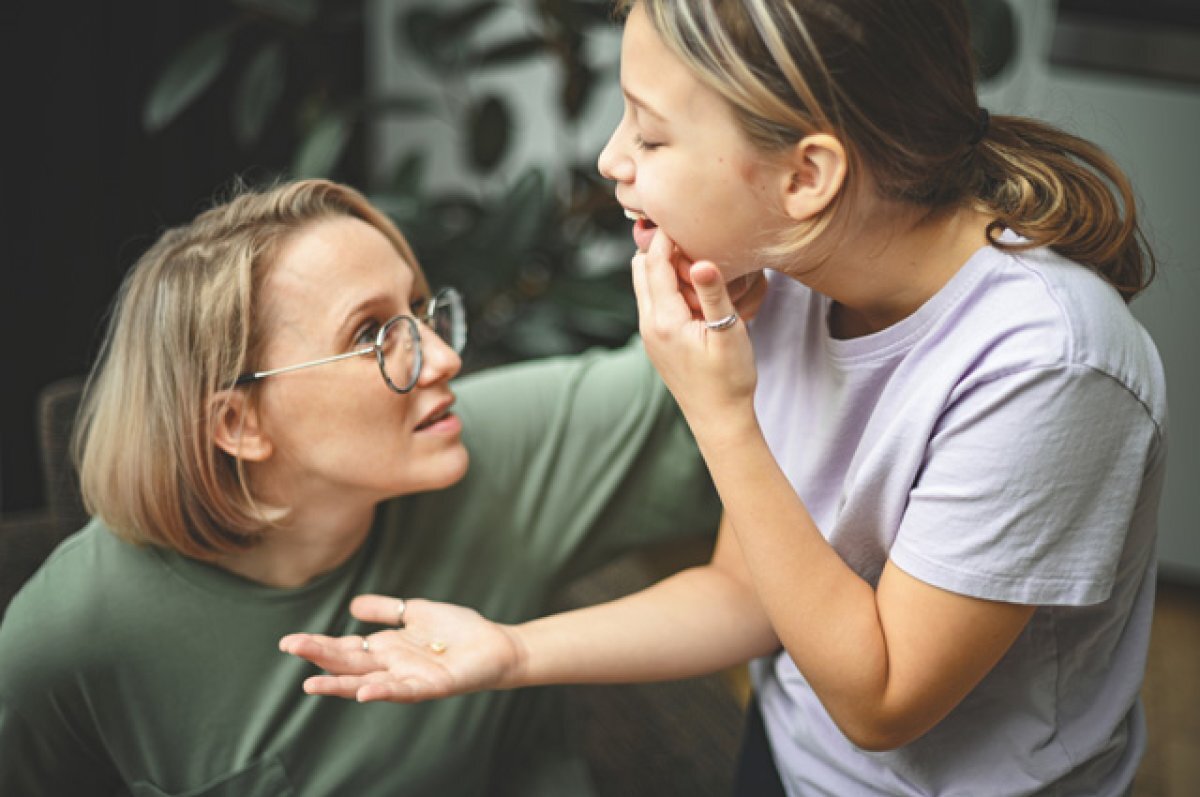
(643, 234)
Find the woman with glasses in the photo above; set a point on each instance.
(269, 432)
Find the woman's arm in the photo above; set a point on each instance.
(695, 622)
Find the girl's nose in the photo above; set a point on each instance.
(614, 163)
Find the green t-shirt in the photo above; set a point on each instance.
(133, 670)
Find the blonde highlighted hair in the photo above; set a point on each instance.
(185, 324)
(895, 83)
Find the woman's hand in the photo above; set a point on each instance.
(441, 650)
(711, 372)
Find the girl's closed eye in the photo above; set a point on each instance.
(643, 144)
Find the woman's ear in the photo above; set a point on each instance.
(816, 173)
(236, 426)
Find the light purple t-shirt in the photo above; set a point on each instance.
(1006, 441)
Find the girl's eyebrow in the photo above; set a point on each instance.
(641, 105)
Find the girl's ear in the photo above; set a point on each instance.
(236, 426)
(816, 173)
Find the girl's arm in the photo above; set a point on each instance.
(887, 663)
(695, 622)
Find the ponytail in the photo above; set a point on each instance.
(1060, 191)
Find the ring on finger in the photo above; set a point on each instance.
(400, 607)
(722, 323)
(366, 645)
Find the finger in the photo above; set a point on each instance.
(640, 292)
(662, 282)
(380, 609)
(408, 690)
(340, 656)
(710, 287)
(345, 686)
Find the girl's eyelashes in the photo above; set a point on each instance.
(643, 144)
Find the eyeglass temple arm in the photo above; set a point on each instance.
(254, 377)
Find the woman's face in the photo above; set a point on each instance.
(337, 430)
(681, 163)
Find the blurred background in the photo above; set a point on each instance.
(476, 125)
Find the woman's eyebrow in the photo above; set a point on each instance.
(360, 309)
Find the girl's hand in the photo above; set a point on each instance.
(711, 372)
(441, 650)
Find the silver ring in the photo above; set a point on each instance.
(400, 607)
(366, 645)
(722, 323)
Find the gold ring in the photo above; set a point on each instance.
(400, 607)
(437, 646)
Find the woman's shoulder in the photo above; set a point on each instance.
(90, 576)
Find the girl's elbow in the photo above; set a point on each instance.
(881, 734)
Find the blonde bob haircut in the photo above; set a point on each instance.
(184, 325)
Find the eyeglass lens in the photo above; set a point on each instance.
(448, 319)
(400, 344)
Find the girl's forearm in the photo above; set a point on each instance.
(695, 622)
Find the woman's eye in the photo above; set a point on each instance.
(643, 144)
(366, 334)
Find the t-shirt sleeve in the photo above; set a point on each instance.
(42, 746)
(1028, 488)
(585, 457)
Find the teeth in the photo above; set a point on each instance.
(634, 215)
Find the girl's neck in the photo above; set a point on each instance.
(885, 272)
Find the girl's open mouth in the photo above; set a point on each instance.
(643, 229)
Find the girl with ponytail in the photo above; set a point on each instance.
(940, 442)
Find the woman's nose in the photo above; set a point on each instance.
(614, 163)
(439, 362)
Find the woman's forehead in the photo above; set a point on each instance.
(335, 260)
(327, 272)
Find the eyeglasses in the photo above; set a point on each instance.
(397, 346)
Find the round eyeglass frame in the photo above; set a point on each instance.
(444, 297)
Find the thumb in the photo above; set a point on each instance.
(715, 303)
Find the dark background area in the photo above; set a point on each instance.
(86, 189)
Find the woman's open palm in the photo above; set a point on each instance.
(441, 650)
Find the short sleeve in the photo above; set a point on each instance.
(40, 726)
(1029, 488)
(584, 458)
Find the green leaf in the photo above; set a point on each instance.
(186, 77)
(577, 89)
(323, 146)
(409, 174)
(258, 93)
(400, 104)
(297, 12)
(462, 23)
(489, 124)
(512, 51)
(420, 30)
(584, 13)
